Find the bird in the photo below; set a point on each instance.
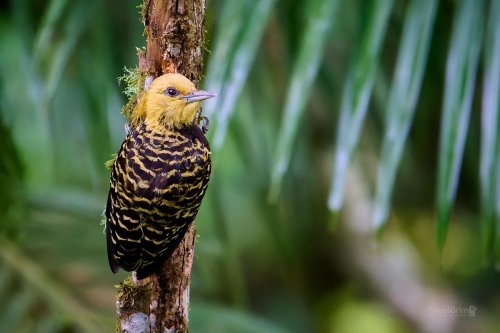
(159, 176)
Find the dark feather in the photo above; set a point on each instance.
(157, 183)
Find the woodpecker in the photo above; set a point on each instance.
(159, 176)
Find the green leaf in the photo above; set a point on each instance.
(461, 68)
(240, 66)
(48, 28)
(75, 24)
(356, 96)
(490, 136)
(403, 98)
(308, 60)
(226, 42)
(32, 275)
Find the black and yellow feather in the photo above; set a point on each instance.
(158, 181)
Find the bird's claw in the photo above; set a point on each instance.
(203, 122)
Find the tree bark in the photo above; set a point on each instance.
(174, 31)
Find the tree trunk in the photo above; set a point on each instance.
(174, 32)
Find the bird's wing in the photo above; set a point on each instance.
(123, 230)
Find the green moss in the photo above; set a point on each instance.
(143, 11)
(134, 81)
(109, 163)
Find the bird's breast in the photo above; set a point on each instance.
(169, 166)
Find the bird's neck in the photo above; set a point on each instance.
(164, 127)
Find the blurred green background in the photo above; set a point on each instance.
(305, 226)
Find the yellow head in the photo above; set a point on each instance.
(170, 101)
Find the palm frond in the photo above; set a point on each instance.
(490, 134)
(356, 96)
(404, 92)
(461, 69)
(305, 68)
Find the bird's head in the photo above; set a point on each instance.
(170, 101)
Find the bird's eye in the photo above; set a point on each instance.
(172, 92)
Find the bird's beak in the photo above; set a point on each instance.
(198, 95)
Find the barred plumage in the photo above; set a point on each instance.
(158, 180)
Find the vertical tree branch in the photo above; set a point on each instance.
(170, 289)
(174, 32)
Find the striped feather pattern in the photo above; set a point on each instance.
(157, 183)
